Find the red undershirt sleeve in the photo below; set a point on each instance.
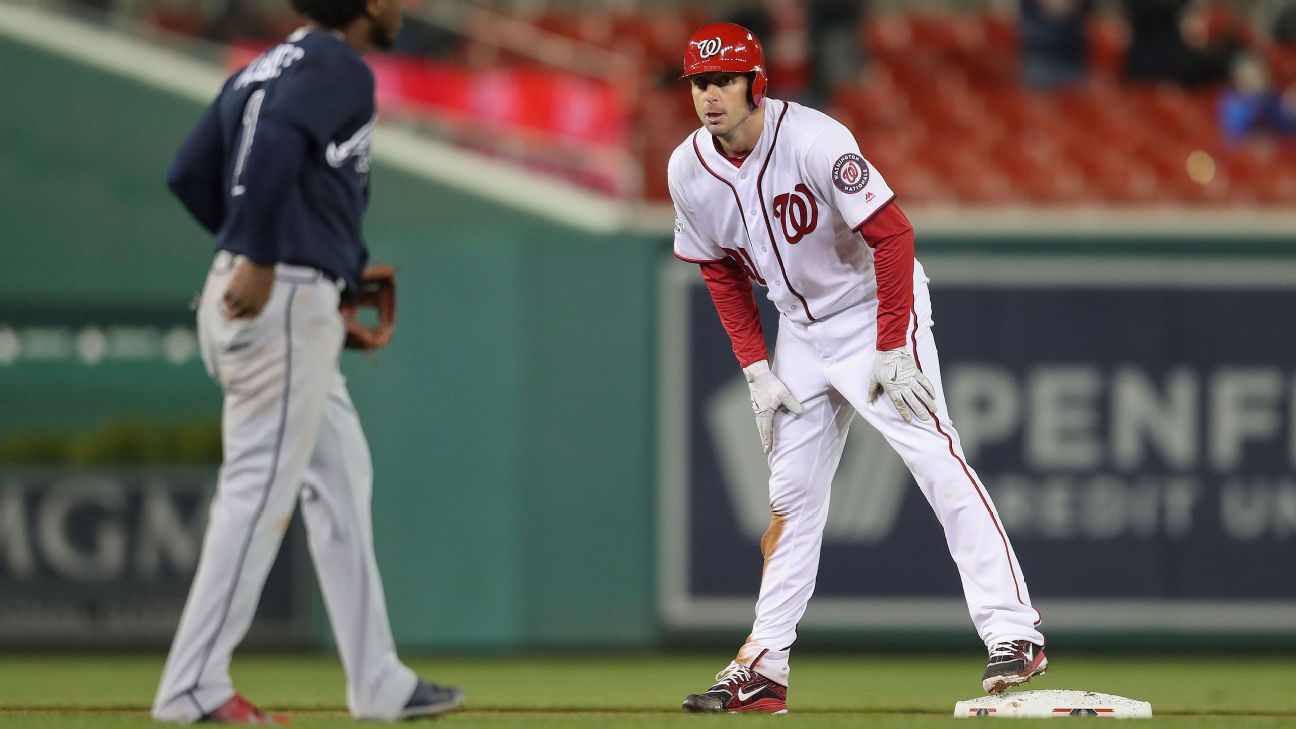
(731, 292)
(891, 237)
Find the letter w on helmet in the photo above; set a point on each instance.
(727, 48)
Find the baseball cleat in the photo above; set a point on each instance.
(739, 689)
(430, 699)
(1012, 663)
(239, 710)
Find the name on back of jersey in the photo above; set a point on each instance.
(270, 64)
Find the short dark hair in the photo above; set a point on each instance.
(751, 79)
(331, 13)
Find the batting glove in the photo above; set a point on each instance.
(895, 372)
(768, 395)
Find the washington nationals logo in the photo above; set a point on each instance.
(709, 47)
(850, 173)
(798, 213)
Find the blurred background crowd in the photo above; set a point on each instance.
(984, 102)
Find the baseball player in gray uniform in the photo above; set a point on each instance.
(278, 170)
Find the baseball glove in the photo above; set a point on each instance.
(378, 292)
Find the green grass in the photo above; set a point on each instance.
(643, 691)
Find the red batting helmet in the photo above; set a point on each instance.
(727, 48)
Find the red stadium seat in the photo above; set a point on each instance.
(942, 114)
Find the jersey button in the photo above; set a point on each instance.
(743, 175)
(753, 211)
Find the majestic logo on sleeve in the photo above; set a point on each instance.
(358, 146)
(709, 47)
(850, 173)
(798, 213)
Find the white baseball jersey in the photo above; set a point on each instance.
(788, 215)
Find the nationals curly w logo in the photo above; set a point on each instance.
(850, 173)
(798, 213)
(709, 47)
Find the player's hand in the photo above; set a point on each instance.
(248, 290)
(768, 395)
(895, 373)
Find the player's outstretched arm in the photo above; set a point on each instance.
(895, 371)
(891, 237)
(731, 293)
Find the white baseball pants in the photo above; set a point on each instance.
(826, 364)
(290, 432)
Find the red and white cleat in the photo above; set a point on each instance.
(239, 710)
(1012, 663)
(739, 689)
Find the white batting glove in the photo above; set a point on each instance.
(896, 373)
(768, 395)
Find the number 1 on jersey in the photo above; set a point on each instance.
(250, 114)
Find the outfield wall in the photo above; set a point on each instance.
(510, 422)
(526, 441)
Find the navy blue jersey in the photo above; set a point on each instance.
(278, 167)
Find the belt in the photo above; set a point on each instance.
(327, 275)
(299, 273)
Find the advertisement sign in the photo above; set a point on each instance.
(105, 557)
(1134, 421)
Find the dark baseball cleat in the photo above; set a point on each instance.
(1012, 663)
(430, 700)
(739, 689)
(239, 710)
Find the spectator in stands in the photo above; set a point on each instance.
(813, 47)
(1284, 25)
(1252, 106)
(754, 17)
(789, 47)
(1053, 43)
(247, 20)
(420, 37)
(837, 53)
(1170, 41)
(177, 16)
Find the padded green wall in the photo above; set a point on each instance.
(511, 421)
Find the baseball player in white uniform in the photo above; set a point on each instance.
(778, 193)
